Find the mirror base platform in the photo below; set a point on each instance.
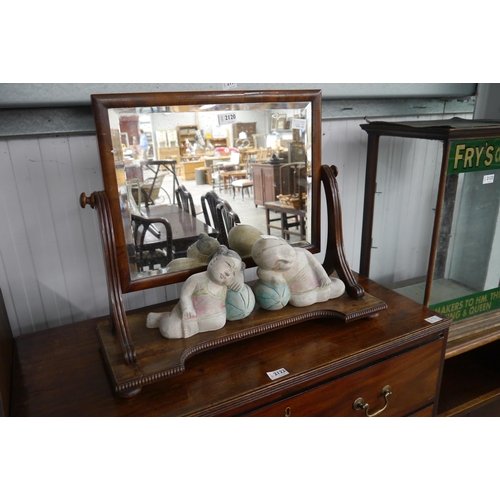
(158, 358)
(137, 356)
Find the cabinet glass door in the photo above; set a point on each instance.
(456, 273)
(466, 276)
(404, 213)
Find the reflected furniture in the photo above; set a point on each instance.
(288, 218)
(209, 202)
(188, 168)
(186, 133)
(160, 168)
(270, 181)
(185, 227)
(152, 253)
(210, 161)
(242, 185)
(466, 216)
(228, 176)
(133, 171)
(169, 153)
(226, 220)
(216, 175)
(265, 183)
(249, 129)
(148, 191)
(203, 175)
(185, 200)
(291, 204)
(326, 366)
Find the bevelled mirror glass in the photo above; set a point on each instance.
(181, 168)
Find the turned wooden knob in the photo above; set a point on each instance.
(87, 200)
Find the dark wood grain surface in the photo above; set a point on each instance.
(185, 227)
(60, 372)
(6, 355)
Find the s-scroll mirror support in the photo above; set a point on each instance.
(119, 323)
(335, 258)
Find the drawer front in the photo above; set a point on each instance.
(412, 376)
(428, 411)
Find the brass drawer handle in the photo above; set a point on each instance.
(360, 404)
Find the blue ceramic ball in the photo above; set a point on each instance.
(271, 297)
(239, 304)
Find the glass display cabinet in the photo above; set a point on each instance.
(431, 225)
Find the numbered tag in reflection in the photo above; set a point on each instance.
(299, 123)
(226, 118)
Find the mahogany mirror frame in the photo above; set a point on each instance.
(102, 103)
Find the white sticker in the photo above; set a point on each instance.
(277, 374)
(434, 319)
(299, 123)
(226, 118)
(227, 86)
(488, 179)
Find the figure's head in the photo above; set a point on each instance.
(225, 267)
(273, 254)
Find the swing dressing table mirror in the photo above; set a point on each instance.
(136, 356)
(198, 128)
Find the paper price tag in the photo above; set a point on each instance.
(228, 86)
(226, 118)
(299, 123)
(433, 319)
(277, 374)
(488, 179)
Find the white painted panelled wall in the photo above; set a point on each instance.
(52, 269)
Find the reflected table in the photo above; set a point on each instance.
(168, 165)
(185, 227)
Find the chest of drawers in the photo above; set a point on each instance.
(403, 385)
(329, 366)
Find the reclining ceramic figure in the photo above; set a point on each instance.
(290, 275)
(202, 303)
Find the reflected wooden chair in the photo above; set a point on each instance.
(242, 184)
(209, 202)
(291, 204)
(219, 167)
(185, 200)
(153, 242)
(226, 220)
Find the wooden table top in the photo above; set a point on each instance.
(184, 226)
(60, 371)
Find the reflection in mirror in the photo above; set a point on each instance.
(256, 158)
(184, 169)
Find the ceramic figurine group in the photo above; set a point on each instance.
(286, 275)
